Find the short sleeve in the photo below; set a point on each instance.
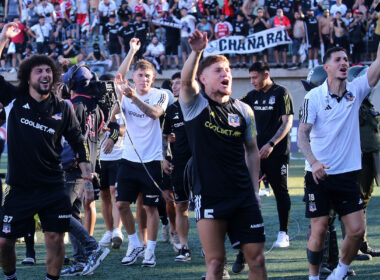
(161, 100)
(249, 118)
(192, 110)
(286, 104)
(360, 87)
(308, 112)
(166, 127)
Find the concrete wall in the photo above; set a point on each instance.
(241, 84)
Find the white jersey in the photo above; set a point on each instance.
(117, 150)
(46, 11)
(145, 132)
(156, 50)
(83, 6)
(43, 31)
(107, 10)
(335, 135)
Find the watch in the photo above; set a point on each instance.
(271, 143)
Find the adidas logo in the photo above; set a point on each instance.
(256, 102)
(176, 117)
(26, 106)
(328, 107)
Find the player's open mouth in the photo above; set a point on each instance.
(343, 69)
(225, 82)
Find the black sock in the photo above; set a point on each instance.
(50, 277)
(11, 276)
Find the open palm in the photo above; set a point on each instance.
(198, 41)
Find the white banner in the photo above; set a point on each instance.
(253, 43)
(163, 22)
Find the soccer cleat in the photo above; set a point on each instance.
(149, 259)
(366, 249)
(239, 263)
(165, 233)
(117, 238)
(132, 254)
(29, 261)
(282, 240)
(361, 256)
(333, 276)
(94, 259)
(184, 255)
(174, 240)
(106, 239)
(74, 270)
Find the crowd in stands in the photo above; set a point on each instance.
(99, 31)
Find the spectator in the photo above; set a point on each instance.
(142, 8)
(28, 52)
(126, 33)
(72, 51)
(299, 37)
(96, 54)
(59, 33)
(19, 42)
(69, 19)
(223, 28)
(373, 34)
(141, 29)
(347, 18)
(42, 33)
(12, 8)
(288, 8)
(172, 41)
(46, 10)
(106, 8)
(111, 32)
(360, 5)
(206, 26)
(155, 53)
(124, 12)
(189, 5)
(250, 7)
(271, 8)
(312, 38)
(241, 28)
(212, 9)
(188, 26)
(339, 6)
(161, 9)
(53, 51)
(228, 10)
(58, 14)
(81, 16)
(260, 23)
(94, 17)
(283, 21)
(304, 5)
(324, 28)
(339, 31)
(358, 27)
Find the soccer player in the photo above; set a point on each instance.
(329, 138)
(36, 124)
(226, 165)
(174, 134)
(142, 107)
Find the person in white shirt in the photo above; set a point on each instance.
(155, 52)
(188, 26)
(338, 7)
(329, 138)
(46, 9)
(41, 32)
(105, 9)
(142, 106)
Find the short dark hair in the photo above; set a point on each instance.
(259, 67)
(176, 75)
(28, 64)
(167, 84)
(331, 51)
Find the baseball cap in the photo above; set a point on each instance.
(81, 79)
(357, 11)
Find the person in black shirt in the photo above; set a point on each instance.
(271, 7)
(260, 23)
(288, 8)
(212, 9)
(273, 108)
(141, 32)
(172, 41)
(36, 124)
(312, 29)
(174, 132)
(126, 33)
(124, 12)
(225, 162)
(241, 28)
(111, 31)
(53, 51)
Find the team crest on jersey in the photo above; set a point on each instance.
(57, 117)
(272, 100)
(6, 228)
(233, 120)
(312, 207)
(349, 96)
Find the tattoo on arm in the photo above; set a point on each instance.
(283, 130)
(153, 112)
(303, 142)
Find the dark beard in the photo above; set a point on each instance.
(41, 91)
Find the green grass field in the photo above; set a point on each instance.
(289, 263)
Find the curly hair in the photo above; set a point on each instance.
(27, 66)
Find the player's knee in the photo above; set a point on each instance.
(215, 265)
(257, 261)
(54, 239)
(6, 245)
(357, 233)
(181, 208)
(105, 195)
(319, 230)
(122, 206)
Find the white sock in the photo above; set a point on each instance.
(341, 269)
(316, 62)
(134, 239)
(313, 277)
(151, 245)
(311, 62)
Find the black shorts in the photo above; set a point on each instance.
(166, 182)
(114, 48)
(51, 203)
(340, 192)
(181, 192)
(20, 48)
(132, 179)
(108, 173)
(172, 49)
(314, 42)
(243, 216)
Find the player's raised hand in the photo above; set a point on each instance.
(198, 41)
(134, 44)
(9, 31)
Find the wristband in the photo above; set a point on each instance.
(114, 131)
(271, 143)
(87, 179)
